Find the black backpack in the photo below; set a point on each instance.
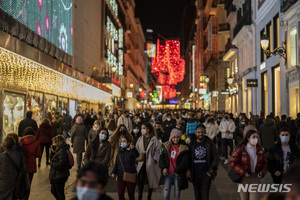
(22, 186)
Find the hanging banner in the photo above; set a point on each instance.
(209, 36)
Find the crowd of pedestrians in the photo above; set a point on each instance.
(153, 148)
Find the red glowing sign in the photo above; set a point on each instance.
(169, 66)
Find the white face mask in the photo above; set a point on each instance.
(84, 193)
(169, 119)
(143, 131)
(136, 131)
(254, 141)
(96, 127)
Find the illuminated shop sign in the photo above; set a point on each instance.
(151, 50)
(114, 6)
(121, 52)
(193, 65)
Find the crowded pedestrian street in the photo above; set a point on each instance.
(149, 100)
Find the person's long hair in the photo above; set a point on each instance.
(112, 125)
(151, 129)
(95, 143)
(114, 138)
(60, 141)
(245, 139)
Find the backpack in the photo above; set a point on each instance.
(22, 186)
(70, 159)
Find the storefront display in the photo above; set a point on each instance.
(50, 103)
(35, 104)
(63, 104)
(13, 112)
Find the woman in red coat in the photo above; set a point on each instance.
(31, 151)
(250, 162)
(44, 135)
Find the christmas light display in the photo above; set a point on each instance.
(169, 66)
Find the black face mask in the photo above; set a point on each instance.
(220, 118)
(226, 117)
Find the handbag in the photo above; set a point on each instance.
(128, 177)
(234, 176)
(22, 186)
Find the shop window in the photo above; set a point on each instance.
(63, 104)
(265, 93)
(270, 35)
(293, 47)
(13, 112)
(50, 103)
(294, 102)
(35, 104)
(276, 91)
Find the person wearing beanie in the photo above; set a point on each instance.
(79, 135)
(204, 162)
(174, 162)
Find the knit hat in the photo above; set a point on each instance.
(79, 120)
(175, 133)
(200, 126)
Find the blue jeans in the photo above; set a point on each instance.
(171, 179)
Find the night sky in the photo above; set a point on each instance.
(163, 16)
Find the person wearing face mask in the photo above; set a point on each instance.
(173, 162)
(250, 162)
(91, 182)
(204, 162)
(59, 166)
(240, 132)
(282, 155)
(168, 125)
(125, 119)
(153, 120)
(212, 129)
(227, 128)
(147, 168)
(99, 149)
(115, 141)
(136, 133)
(94, 131)
(112, 126)
(125, 162)
(160, 132)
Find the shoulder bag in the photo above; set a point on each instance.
(22, 183)
(128, 177)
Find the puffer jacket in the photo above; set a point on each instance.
(31, 151)
(45, 133)
(268, 133)
(59, 164)
(182, 162)
(241, 164)
(275, 159)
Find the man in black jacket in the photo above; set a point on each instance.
(282, 155)
(204, 162)
(27, 122)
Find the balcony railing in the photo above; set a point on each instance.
(286, 4)
(229, 7)
(245, 20)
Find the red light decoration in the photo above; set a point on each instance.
(169, 66)
(143, 94)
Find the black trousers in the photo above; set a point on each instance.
(58, 189)
(42, 146)
(142, 178)
(225, 143)
(201, 185)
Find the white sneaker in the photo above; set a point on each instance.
(226, 162)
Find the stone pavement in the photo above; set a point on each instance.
(222, 187)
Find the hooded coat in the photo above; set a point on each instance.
(31, 151)
(268, 133)
(152, 158)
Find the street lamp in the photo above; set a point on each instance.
(230, 80)
(265, 42)
(206, 79)
(114, 69)
(131, 85)
(140, 89)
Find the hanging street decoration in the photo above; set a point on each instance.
(168, 66)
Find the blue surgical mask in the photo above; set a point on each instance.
(102, 137)
(84, 193)
(136, 131)
(285, 139)
(123, 145)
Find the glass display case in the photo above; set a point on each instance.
(13, 111)
(35, 104)
(50, 103)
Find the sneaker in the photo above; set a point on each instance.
(226, 162)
